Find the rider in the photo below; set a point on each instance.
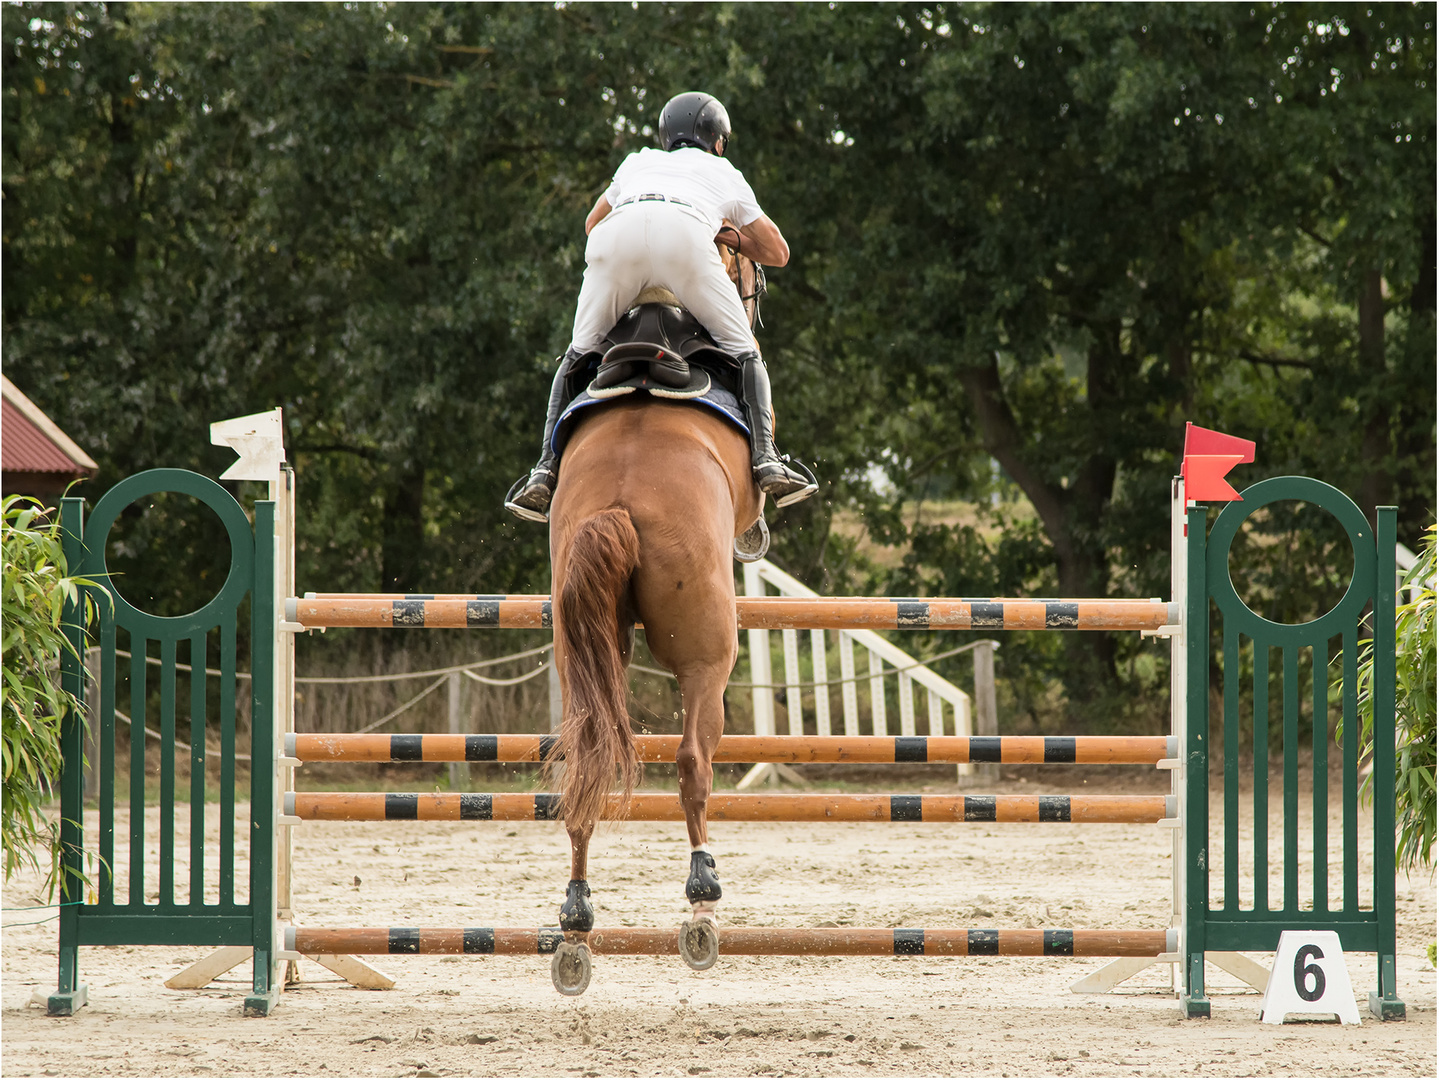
(656, 224)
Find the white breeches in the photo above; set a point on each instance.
(644, 244)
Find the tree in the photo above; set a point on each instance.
(1030, 242)
(1060, 233)
(369, 216)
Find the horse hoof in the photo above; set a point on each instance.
(699, 943)
(570, 969)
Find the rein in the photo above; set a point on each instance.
(761, 288)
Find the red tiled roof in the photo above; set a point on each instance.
(30, 441)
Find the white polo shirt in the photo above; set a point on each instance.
(710, 184)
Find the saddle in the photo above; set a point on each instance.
(656, 346)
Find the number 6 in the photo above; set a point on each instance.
(1302, 969)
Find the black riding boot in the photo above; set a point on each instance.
(773, 473)
(529, 497)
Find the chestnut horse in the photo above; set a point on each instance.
(651, 496)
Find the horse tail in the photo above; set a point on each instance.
(595, 735)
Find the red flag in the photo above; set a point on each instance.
(1204, 477)
(1198, 440)
(1208, 456)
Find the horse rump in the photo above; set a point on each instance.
(595, 735)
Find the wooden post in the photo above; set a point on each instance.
(986, 718)
(762, 693)
(459, 770)
(557, 702)
(557, 718)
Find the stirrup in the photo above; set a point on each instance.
(786, 480)
(529, 496)
(752, 544)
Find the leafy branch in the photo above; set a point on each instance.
(1414, 712)
(37, 588)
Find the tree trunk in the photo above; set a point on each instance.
(1415, 430)
(404, 534)
(1092, 656)
(1072, 517)
(123, 155)
(1181, 372)
(1376, 485)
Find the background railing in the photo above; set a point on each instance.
(967, 716)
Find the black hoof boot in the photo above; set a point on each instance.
(703, 885)
(577, 915)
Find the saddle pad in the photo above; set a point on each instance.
(698, 386)
(716, 397)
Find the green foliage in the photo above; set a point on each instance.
(36, 591)
(1414, 711)
(1046, 237)
(1030, 241)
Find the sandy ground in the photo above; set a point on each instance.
(919, 1016)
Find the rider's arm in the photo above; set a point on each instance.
(597, 213)
(762, 242)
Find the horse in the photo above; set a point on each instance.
(650, 498)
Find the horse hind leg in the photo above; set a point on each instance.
(570, 966)
(686, 599)
(577, 914)
(704, 724)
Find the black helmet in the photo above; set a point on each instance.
(693, 119)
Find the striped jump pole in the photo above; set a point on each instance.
(807, 749)
(754, 613)
(664, 806)
(736, 941)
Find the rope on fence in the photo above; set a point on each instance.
(465, 669)
(152, 733)
(468, 670)
(832, 682)
(462, 669)
(426, 692)
(510, 682)
(443, 673)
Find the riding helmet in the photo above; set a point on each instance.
(693, 119)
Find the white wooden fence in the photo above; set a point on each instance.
(943, 700)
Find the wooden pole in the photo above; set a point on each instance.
(663, 806)
(799, 750)
(734, 941)
(752, 612)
